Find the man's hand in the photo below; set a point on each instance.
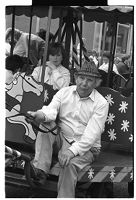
(65, 157)
(35, 116)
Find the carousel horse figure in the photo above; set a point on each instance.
(15, 91)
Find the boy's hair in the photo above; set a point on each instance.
(55, 48)
(14, 62)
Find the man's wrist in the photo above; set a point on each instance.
(71, 152)
(73, 149)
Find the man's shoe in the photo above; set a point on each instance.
(42, 177)
(33, 171)
(38, 175)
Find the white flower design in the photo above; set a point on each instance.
(125, 125)
(91, 173)
(131, 138)
(46, 96)
(112, 174)
(123, 107)
(112, 134)
(109, 99)
(110, 118)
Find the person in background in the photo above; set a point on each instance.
(117, 59)
(82, 112)
(105, 65)
(14, 64)
(55, 73)
(94, 57)
(7, 48)
(20, 46)
(42, 34)
(122, 68)
(126, 59)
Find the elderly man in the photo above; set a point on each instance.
(82, 112)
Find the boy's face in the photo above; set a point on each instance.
(85, 85)
(56, 59)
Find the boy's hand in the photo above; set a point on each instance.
(51, 65)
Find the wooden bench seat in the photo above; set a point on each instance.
(111, 166)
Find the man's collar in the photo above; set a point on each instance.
(91, 96)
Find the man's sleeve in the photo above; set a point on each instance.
(52, 109)
(92, 131)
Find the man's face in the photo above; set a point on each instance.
(85, 85)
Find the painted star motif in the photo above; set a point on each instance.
(110, 118)
(125, 125)
(112, 134)
(109, 99)
(91, 173)
(131, 175)
(123, 107)
(23, 163)
(112, 174)
(46, 95)
(131, 138)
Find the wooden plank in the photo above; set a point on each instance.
(99, 177)
(120, 176)
(110, 166)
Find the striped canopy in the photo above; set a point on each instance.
(121, 14)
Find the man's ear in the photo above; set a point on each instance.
(98, 82)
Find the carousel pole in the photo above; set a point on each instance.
(74, 55)
(61, 23)
(84, 50)
(46, 44)
(63, 33)
(58, 33)
(37, 24)
(29, 39)
(103, 41)
(69, 21)
(12, 33)
(112, 53)
(81, 43)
